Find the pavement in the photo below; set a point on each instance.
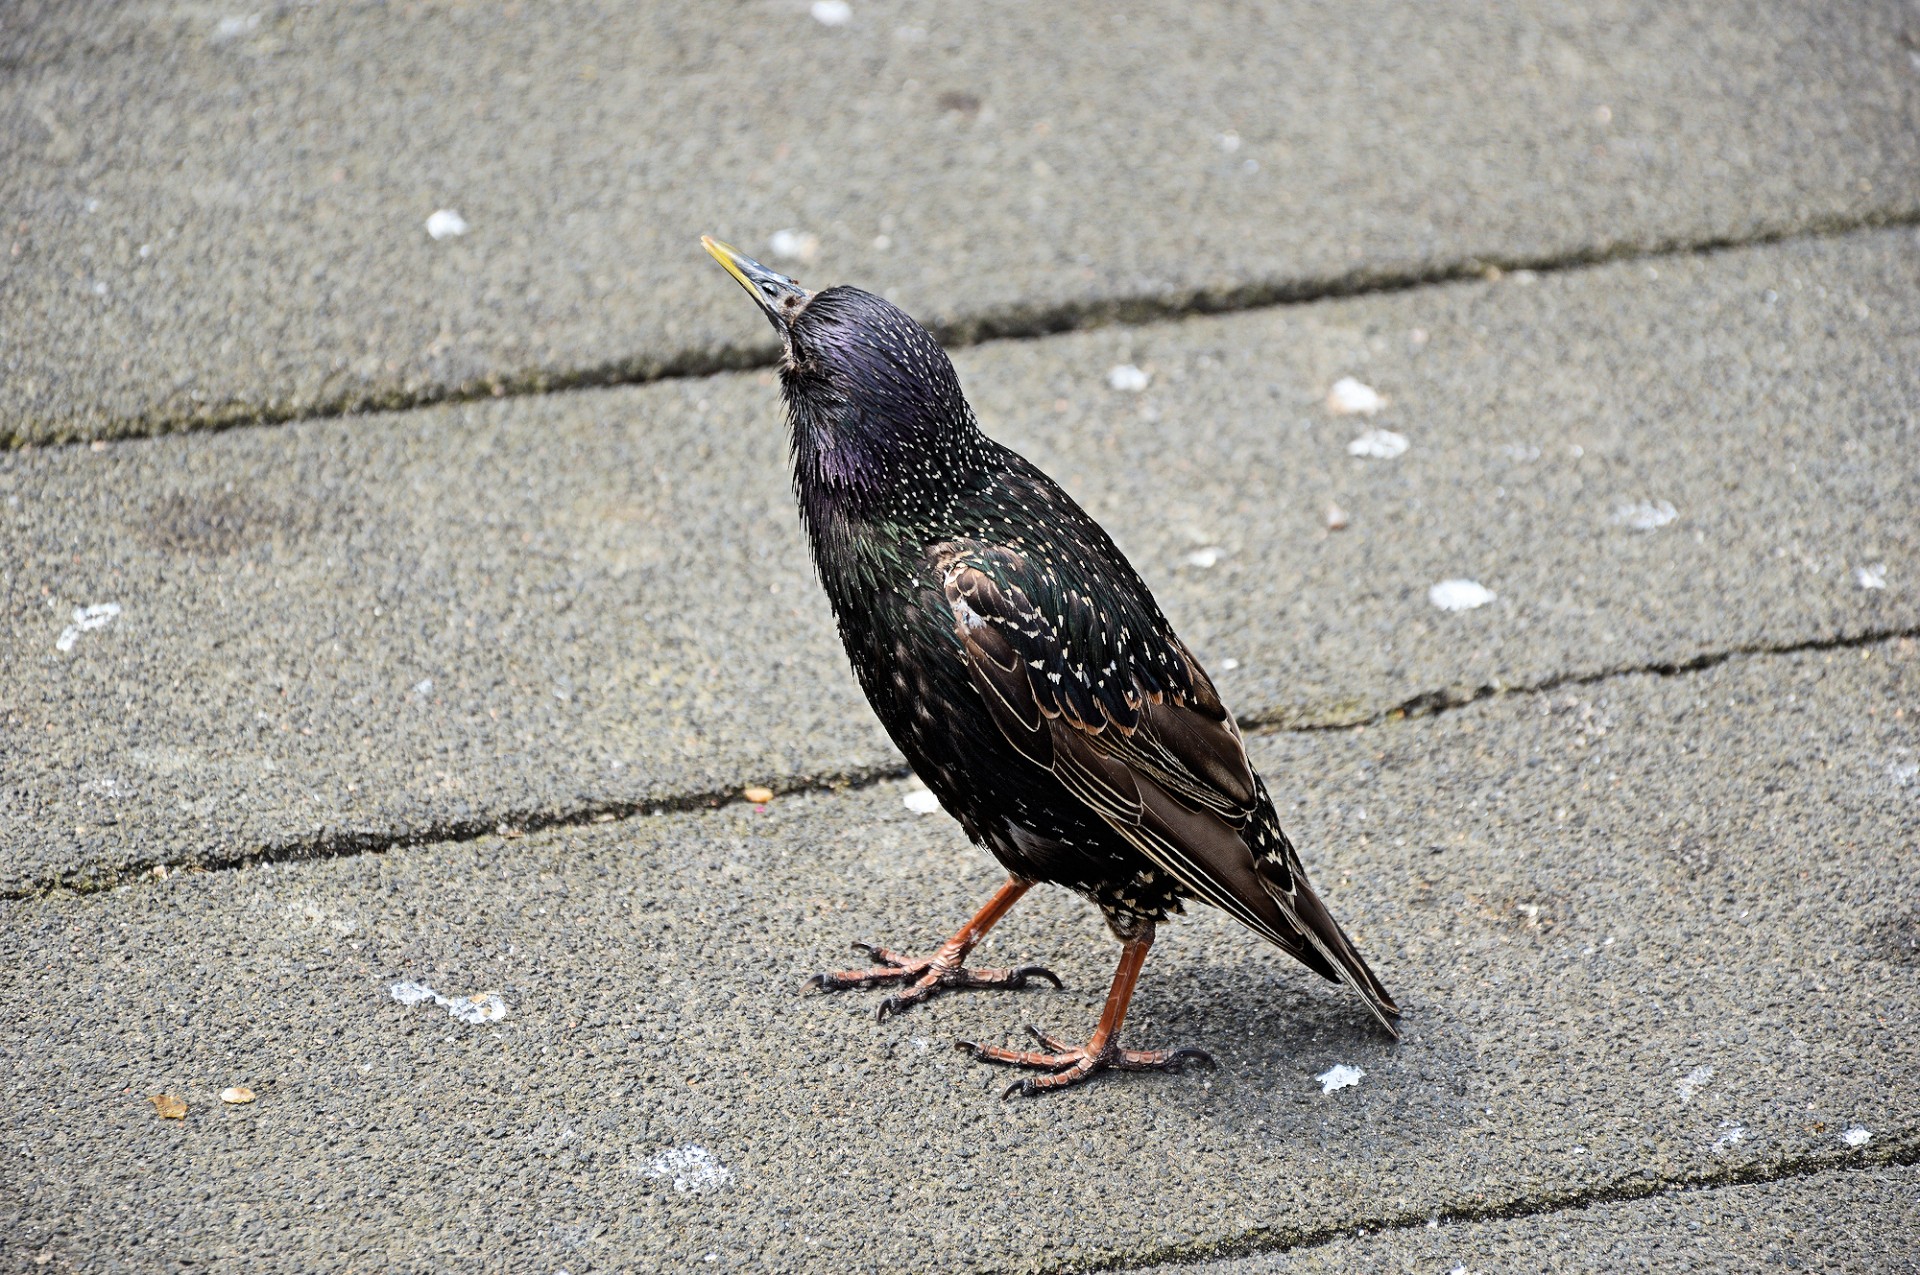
(218, 216)
(389, 763)
(1646, 933)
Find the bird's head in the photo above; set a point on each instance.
(871, 395)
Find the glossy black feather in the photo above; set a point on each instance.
(1017, 658)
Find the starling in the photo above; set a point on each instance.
(1022, 666)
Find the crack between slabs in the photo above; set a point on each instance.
(1013, 322)
(324, 845)
(1900, 1152)
(1446, 699)
(512, 824)
(509, 824)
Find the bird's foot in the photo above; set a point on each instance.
(924, 976)
(1070, 1065)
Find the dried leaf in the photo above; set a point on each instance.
(168, 1107)
(236, 1095)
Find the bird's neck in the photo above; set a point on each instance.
(867, 467)
(872, 503)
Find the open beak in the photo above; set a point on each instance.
(778, 296)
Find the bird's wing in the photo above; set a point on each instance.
(1100, 692)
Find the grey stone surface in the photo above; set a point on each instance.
(513, 611)
(1862, 1222)
(1644, 932)
(218, 213)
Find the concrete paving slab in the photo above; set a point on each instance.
(1865, 1221)
(425, 624)
(1645, 933)
(219, 214)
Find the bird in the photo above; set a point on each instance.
(1025, 670)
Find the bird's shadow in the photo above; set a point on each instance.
(1275, 1029)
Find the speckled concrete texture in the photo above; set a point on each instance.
(429, 623)
(379, 685)
(1854, 1222)
(1646, 932)
(219, 213)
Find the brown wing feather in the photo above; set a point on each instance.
(1166, 769)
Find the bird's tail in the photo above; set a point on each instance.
(1310, 916)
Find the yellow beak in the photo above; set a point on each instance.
(777, 295)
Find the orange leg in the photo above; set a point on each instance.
(926, 975)
(1070, 1066)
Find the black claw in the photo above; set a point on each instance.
(1020, 976)
(1048, 1043)
(1190, 1054)
(889, 1006)
(967, 1045)
(814, 980)
(1022, 1087)
(872, 950)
